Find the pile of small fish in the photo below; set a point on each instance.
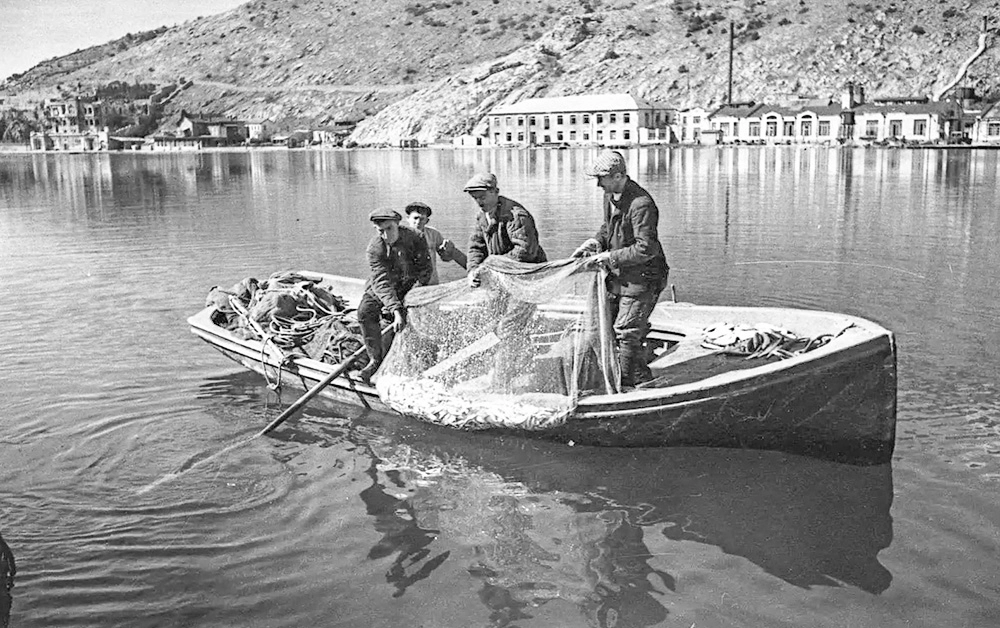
(431, 401)
(760, 341)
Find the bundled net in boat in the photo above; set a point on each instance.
(518, 351)
(296, 313)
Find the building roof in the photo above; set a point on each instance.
(944, 107)
(736, 110)
(573, 104)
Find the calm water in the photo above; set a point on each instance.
(345, 519)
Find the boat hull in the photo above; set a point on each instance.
(837, 402)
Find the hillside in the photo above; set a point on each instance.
(415, 69)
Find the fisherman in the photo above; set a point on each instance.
(419, 214)
(628, 246)
(503, 227)
(399, 259)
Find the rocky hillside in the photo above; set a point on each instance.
(432, 69)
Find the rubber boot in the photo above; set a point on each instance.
(373, 344)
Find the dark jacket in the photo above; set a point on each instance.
(629, 232)
(513, 234)
(397, 268)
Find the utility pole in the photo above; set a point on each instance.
(732, 25)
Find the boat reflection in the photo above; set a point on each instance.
(548, 521)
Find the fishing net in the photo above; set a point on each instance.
(517, 351)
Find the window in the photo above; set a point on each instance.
(920, 127)
(613, 135)
(612, 118)
(507, 121)
(871, 128)
(559, 136)
(520, 120)
(625, 118)
(993, 129)
(824, 128)
(724, 127)
(520, 137)
(572, 119)
(586, 136)
(531, 120)
(559, 120)
(626, 135)
(645, 117)
(572, 135)
(600, 135)
(696, 120)
(755, 129)
(772, 128)
(600, 118)
(508, 137)
(789, 129)
(548, 138)
(545, 122)
(807, 128)
(895, 128)
(586, 118)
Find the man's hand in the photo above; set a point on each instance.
(600, 260)
(398, 321)
(474, 279)
(588, 248)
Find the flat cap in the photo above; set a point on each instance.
(384, 214)
(608, 162)
(481, 181)
(417, 206)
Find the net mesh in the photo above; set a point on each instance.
(517, 351)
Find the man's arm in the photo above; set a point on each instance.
(380, 283)
(524, 237)
(644, 217)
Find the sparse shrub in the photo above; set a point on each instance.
(683, 69)
(949, 13)
(919, 30)
(784, 21)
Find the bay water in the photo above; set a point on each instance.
(347, 518)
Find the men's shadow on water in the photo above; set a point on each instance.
(806, 521)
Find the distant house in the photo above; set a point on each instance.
(194, 132)
(732, 121)
(690, 124)
(986, 129)
(603, 119)
(910, 118)
(71, 124)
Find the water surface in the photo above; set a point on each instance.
(341, 518)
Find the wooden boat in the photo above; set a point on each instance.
(837, 401)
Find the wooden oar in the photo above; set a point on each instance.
(312, 392)
(319, 386)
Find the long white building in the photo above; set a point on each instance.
(603, 120)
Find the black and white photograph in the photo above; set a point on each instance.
(499, 314)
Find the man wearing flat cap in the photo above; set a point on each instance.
(399, 259)
(503, 227)
(627, 244)
(419, 214)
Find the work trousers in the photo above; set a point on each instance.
(370, 316)
(630, 310)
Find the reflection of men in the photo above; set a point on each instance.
(628, 245)
(7, 572)
(419, 214)
(399, 260)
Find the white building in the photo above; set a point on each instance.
(604, 120)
